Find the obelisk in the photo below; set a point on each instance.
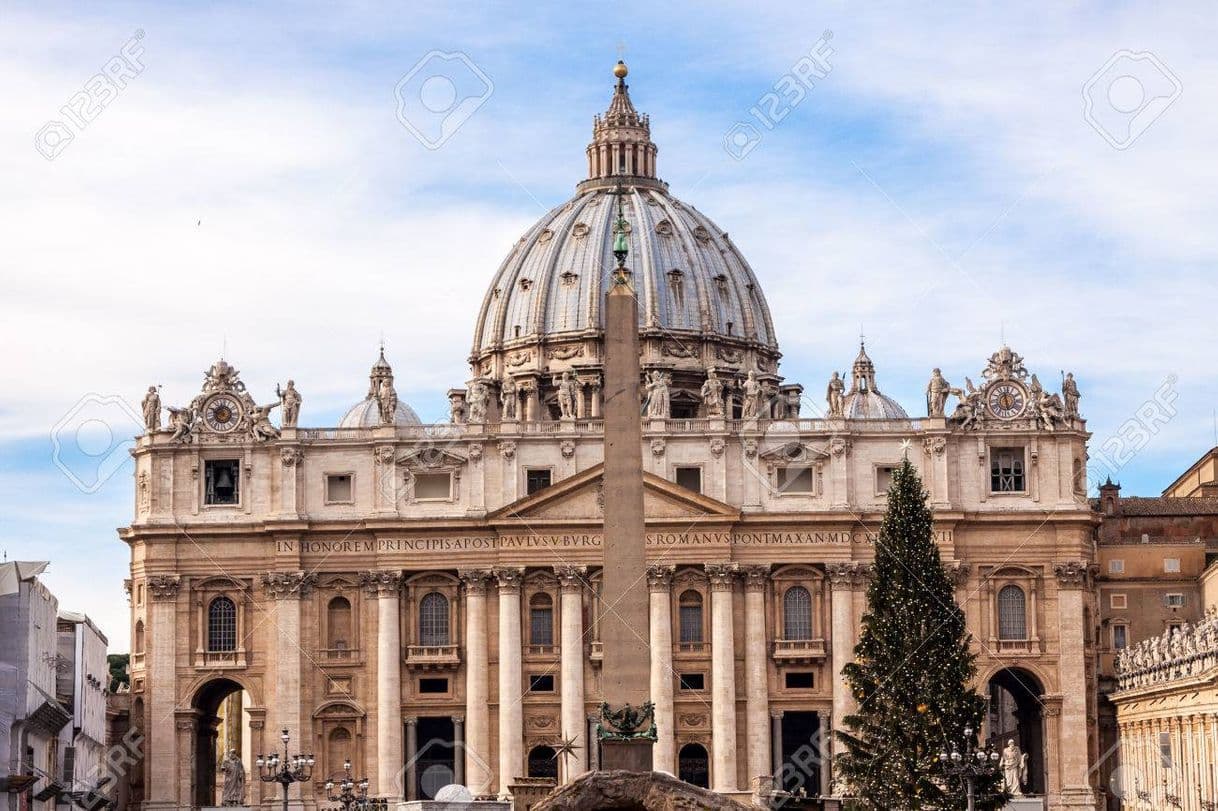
(624, 619)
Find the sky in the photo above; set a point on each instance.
(180, 181)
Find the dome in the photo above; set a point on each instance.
(367, 412)
(700, 304)
(864, 401)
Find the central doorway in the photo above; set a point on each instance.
(801, 753)
(435, 761)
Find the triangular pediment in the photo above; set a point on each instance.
(581, 497)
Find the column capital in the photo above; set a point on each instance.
(475, 580)
(958, 571)
(847, 574)
(1074, 574)
(659, 576)
(411, 721)
(288, 585)
(164, 587)
(1051, 705)
(381, 582)
(756, 576)
(458, 719)
(722, 575)
(509, 577)
(571, 578)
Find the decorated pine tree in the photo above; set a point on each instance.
(911, 673)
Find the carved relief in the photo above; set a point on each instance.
(288, 585)
(659, 576)
(383, 454)
(701, 234)
(381, 582)
(935, 445)
(717, 446)
(692, 719)
(657, 447)
(565, 352)
(750, 448)
(1072, 573)
(580, 230)
(722, 576)
(839, 445)
(164, 587)
(545, 236)
(728, 354)
(664, 228)
(507, 449)
(290, 457)
(678, 349)
(519, 358)
(568, 448)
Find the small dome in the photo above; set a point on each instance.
(367, 412)
(864, 400)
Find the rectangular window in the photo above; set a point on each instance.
(222, 481)
(883, 479)
(690, 478)
(433, 486)
(1120, 637)
(1173, 600)
(795, 480)
(433, 686)
(338, 488)
(541, 683)
(1006, 470)
(1118, 601)
(692, 681)
(800, 680)
(535, 480)
(1171, 565)
(1116, 566)
(1165, 750)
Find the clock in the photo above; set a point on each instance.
(222, 413)
(1006, 400)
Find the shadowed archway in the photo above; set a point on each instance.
(1016, 712)
(207, 702)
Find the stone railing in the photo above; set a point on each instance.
(1180, 654)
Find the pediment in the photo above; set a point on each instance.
(430, 458)
(795, 452)
(581, 497)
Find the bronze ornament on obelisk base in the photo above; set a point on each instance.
(627, 728)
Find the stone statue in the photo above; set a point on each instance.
(290, 399)
(476, 400)
(387, 398)
(793, 404)
(969, 409)
(658, 395)
(234, 779)
(261, 428)
(753, 391)
(567, 395)
(508, 401)
(936, 394)
(1070, 395)
(712, 394)
(181, 421)
(152, 410)
(834, 395)
(1014, 764)
(456, 408)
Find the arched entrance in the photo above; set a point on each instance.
(221, 726)
(1016, 712)
(543, 762)
(693, 765)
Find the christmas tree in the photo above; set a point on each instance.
(911, 672)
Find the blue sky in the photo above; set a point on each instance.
(252, 191)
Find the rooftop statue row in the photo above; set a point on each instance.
(1186, 651)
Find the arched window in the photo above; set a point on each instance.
(797, 613)
(1012, 613)
(690, 612)
(541, 620)
(338, 624)
(221, 626)
(139, 637)
(338, 752)
(543, 762)
(433, 619)
(693, 765)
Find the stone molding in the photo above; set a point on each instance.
(722, 576)
(847, 574)
(164, 587)
(381, 582)
(659, 576)
(288, 585)
(510, 577)
(1073, 574)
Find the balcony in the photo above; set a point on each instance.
(597, 653)
(220, 658)
(339, 656)
(693, 647)
(432, 657)
(798, 651)
(1008, 646)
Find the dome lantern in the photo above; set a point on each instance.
(621, 145)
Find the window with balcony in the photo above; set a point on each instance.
(797, 613)
(221, 626)
(433, 620)
(221, 482)
(690, 614)
(1012, 614)
(1007, 471)
(541, 620)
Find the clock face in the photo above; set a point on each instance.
(1007, 400)
(222, 413)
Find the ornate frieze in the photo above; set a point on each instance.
(381, 582)
(288, 585)
(164, 587)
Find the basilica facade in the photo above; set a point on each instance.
(423, 601)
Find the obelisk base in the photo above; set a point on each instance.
(627, 756)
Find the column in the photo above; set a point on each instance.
(842, 577)
(776, 746)
(659, 581)
(594, 744)
(511, 690)
(477, 684)
(459, 750)
(385, 588)
(756, 685)
(723, 677)
(595, 405)
(1072, 580)
(286, 590)
(571, 583)
(160, 728)
(412, 749)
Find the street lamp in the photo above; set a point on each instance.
(295, 769)
(969, 764)
(353, 794)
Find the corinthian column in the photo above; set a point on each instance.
(842, 577)
(286, 589)
(1073, 578)
(723, 677)
(160, 774)
(659, 580)
(571, 580)
(385, 588)
(511, 689)
(477, 684)
(756, 686)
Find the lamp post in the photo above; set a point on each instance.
(353, 794)
(295, 769)
(969, 764)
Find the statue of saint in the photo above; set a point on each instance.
(476, 399)
(936, 394)
(567, 394)
(260, 423)
(1070, 395)
(753, 391)
(712, 394)
(1014, 764)
(658, 395)
(387, 397)
(834, 395)
(181, 420)
(290, 399)
(234, 779)
(152, 409)
(507, 401)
